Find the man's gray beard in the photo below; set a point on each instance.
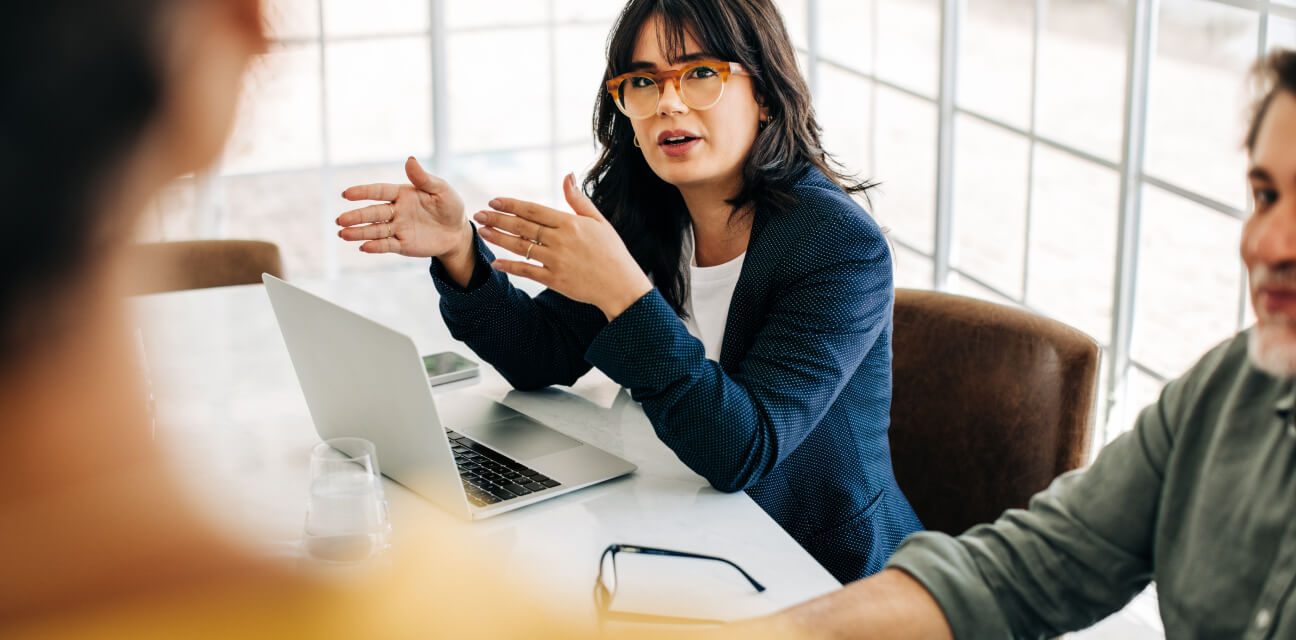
(1272, 349)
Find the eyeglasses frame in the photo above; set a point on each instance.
(603, 595)
(660, 78)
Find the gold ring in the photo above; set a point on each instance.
(539, 230)
(528, 251)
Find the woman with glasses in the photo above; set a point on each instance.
(716, 265)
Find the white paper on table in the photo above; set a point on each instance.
(684, 588)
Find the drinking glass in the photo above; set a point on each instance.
(346, 517)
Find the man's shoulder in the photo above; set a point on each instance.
(1228, 358)
(1222, 378)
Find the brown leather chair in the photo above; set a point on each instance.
(198, 264)
(990, 404)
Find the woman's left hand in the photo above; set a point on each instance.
(581, 256)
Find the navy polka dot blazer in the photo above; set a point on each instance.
(796, 411)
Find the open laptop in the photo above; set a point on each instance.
(471, 456)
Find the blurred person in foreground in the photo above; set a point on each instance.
(105, 104)
(1200, 497)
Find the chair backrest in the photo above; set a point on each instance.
(990, 404)
(198, 264)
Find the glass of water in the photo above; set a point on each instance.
(346, 518)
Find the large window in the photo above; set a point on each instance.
(496, 96)
(1079, 158)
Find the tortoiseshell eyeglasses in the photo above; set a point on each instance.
(700, 86)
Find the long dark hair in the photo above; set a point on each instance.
(648, 212)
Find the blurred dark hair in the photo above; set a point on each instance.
(649, 213)
(1274, 73)
(85, 81)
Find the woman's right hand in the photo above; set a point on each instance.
(423, 219)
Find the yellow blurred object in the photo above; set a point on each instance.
(441, 589)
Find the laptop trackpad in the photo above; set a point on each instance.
(521, 438)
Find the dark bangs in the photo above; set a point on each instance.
(679, 19)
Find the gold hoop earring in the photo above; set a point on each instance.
(636, 142)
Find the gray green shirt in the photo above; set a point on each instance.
(1199, 497)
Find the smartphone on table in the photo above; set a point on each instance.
(449, 366)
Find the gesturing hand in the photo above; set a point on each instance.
(423, 219)
(581, 256)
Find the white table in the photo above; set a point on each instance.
(235, 424)
(237, 429)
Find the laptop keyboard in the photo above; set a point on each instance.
(490, 477)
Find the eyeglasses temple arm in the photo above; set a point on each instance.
(685, 554)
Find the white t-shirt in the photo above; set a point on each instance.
(710, 293)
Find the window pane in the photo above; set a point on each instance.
(1101, 423)
(173, 215)
(380, 99)
(1141, 391)
(1247, 312)
(586, 10)
(844, 105)
(908, 38)
(461, 14)
(966, 287)
(292, 18)
(575, 158)
(990, 204)
(1081, 91)
(488, 112)
(521, 175)
(846, 32)
(580, 80)
(906, 167)
(524, 176)
(348, 17)
(994, 73)
(1198, 91)
(912, 270)
(283, 208)
(279, 117)
(1188, 282)
(1073, 241)
(794, 18)
(1282, 33)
